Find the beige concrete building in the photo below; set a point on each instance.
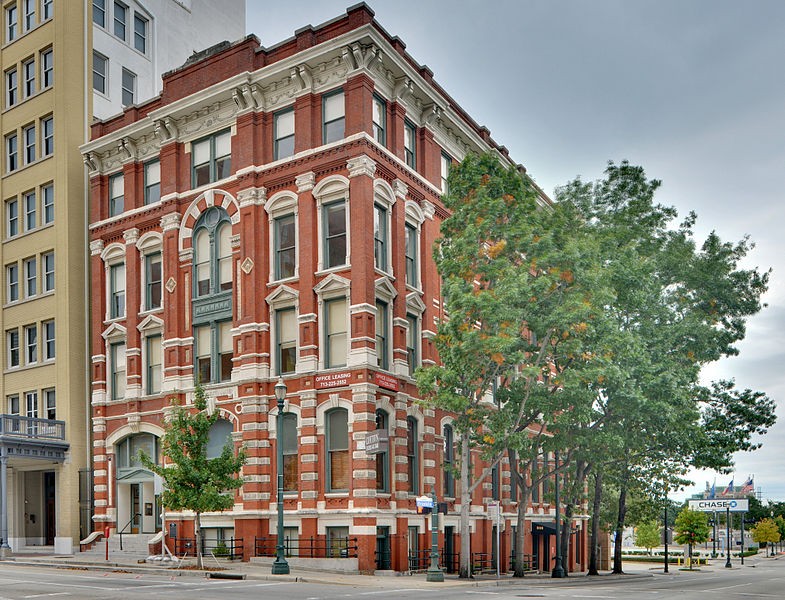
(51, 83)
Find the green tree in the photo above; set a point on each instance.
(692, 527)
(766, 532)
(508, 268)
(677, 305)
(192, 481)
(647, 535)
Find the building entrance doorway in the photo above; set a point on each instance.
(50, 524)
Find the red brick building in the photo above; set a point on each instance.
(271, 215)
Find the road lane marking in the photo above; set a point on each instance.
(48, 595)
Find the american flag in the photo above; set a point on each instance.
(748, 486)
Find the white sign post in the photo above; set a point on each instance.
(495, 514)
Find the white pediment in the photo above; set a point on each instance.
(282, 295)
(332, 283)
(150, 322)
(414, 303)
(114, 331)
(385, 288)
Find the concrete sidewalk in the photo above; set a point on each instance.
(262, 572)
(633, 571)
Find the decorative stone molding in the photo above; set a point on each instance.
(131, 236)
(361, 165)
(166, 129)
(92, 162)
(247, 265)
(400, 189)
(252, 197)
(127, 149)
(170, 221)
(305, 182)
(171, 284)
(96, 247)
(428, 209)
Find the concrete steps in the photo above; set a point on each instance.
(135, 547)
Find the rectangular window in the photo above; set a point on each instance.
(284, 134)
(47, 7)
(31, 405)
(449, 461)
(11, 87)
(337, 541)
(379, 120)
(118, 369)
(153, 270)
(48, 204)
(336, 333)
(117, 291)
(411, 255)
(28, 135)
(382, 336)
(285, 251)
(203, 354)
(152, 182)
(409, 140)
(12, 218)
(12, 340)
(225, 349)
(31, 273)
(334, 234)
(446, 161)
(286, 342)
(29, 14)
(30, 211)
(338, 455)
(11, 23)
(31, 344)
(154, 364)
(47, 68)
(412, 455)
(380, 237)
(13, 404)
(48, 259)
(140, 33)
(99, 12)
(48, 136)
(100, 69)
(120, 19)
(49, 339)
(333, 119)
(11, 152)
(28, 77)
(12, 282)
(291, 451)
(116, 194)
(211, 158)
(50, 404)
(412, 343)
(128, 87)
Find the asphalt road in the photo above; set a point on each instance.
(760, 582)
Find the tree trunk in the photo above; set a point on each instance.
(617, 570)
(466, 500)
(594, 544)
(198, 538)
(519, 565)
(566, 530)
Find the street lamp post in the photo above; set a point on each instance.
(280, 566)
(728, 565)
(434, 573)
(558, 569)
(714, 535)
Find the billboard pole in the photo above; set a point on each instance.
(728, 564)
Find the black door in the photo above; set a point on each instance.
(383, 562)
(449, 560)
(50, 524)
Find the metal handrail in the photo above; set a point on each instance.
(133, 518)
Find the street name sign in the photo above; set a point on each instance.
(737, 505)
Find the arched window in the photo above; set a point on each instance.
(128, 450)
(212, 253)
(412, 455)
(338, 450)
(383, 458)
(449, 461)
(220, 435)
(288, 440)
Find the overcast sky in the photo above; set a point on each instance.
(692, 90)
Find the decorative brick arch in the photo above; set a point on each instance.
(202, 202)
